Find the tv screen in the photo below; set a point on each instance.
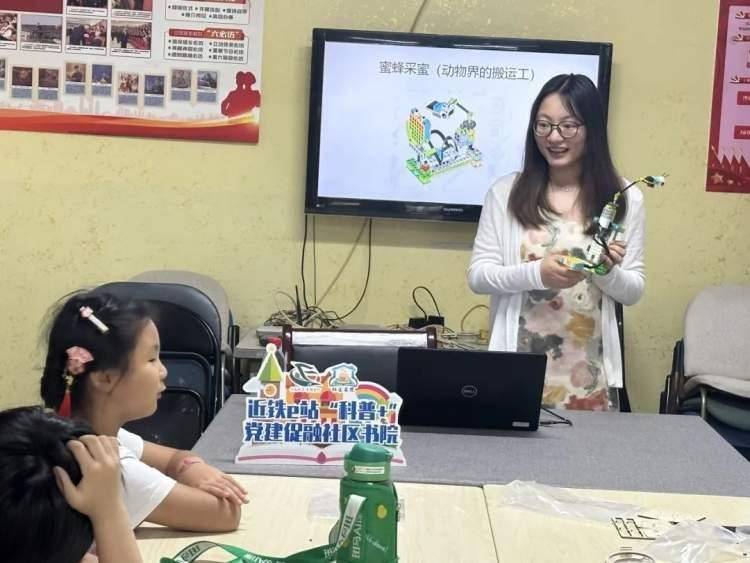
(419, 126)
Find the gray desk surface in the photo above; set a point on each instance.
(636, 452)
(248, 348)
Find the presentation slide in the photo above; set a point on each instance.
(428, 124)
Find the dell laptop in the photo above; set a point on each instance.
(470, 389)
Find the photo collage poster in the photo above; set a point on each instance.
(182, 69)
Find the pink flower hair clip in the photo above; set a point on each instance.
(77, 359)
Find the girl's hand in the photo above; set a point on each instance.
(98, 495)
(99, 460)
(194, 472)
(558, 276)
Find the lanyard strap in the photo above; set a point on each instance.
(320, 554)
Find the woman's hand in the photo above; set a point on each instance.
(617, 251)
(558, 276)
(194, 472)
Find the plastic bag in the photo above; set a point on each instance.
(699, 542)
(323, 505)
(559, 502)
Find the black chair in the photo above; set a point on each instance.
(190, 331)
(188, 370)
(230, 332)
(177, 423)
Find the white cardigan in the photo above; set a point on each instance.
(496, 269)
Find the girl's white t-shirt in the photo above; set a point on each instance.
(144, 487)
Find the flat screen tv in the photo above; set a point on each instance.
(419, 126)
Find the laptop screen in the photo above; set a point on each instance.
(470, 389)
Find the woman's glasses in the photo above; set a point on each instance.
(567, 129)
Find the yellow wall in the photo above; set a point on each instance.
(79, 210)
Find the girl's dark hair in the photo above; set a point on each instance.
(528, 199)
(125, 320)
(36, 522)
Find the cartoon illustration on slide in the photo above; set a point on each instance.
(437, 152)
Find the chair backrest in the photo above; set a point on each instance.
(181, 304)
(186, 370)
(178, 422)
(378, 364)
(187, 318)
(201, 282)
(717, 327)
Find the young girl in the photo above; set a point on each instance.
(103, 367)
(529, 220)
(59, 491)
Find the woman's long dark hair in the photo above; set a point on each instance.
(599, 180)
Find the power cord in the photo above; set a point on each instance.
(315, 265)
(558, 419)
(302, 266)
(367, 279)
(470, 311)
(344, 264)
(314, 315)
(434, 302)
(418, 16)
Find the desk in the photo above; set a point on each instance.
(248, 354)
(442, 523)
(632, 452)
(533, 537)
(249, 348)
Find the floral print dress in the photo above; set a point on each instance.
(564, 324)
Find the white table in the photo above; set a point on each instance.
(288, 514)
(533, 537)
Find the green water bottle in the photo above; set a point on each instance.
(373, 537)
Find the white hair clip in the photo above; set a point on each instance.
(88, 313)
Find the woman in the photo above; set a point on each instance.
(531, 219)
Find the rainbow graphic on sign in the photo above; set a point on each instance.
(373, 391)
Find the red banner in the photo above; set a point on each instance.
(41, 6)
(729, 139)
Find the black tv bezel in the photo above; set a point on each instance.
(322, 205)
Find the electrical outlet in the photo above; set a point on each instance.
(421, 322)
(417, 322)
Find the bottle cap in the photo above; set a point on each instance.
(368, 462)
